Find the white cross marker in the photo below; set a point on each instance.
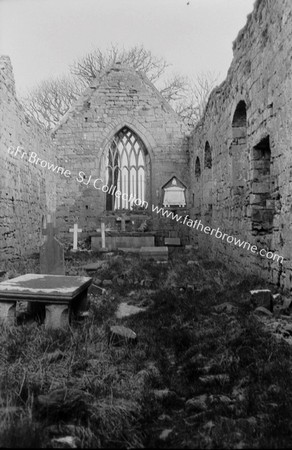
(102, 235)
(75, 230)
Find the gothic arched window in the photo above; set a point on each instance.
(239, 151)
(208, 156)
(239, 120)
(198, 168)
(126, 171)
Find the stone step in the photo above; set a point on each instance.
(172, 241)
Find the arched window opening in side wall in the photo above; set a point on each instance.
(261, 187)
(127, 166)
(208, 156)
(198, 167)
(239, 118)
(239, 146)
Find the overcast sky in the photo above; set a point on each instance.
(43, 37)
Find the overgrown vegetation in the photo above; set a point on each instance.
(210, 377)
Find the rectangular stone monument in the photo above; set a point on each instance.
(116, 242)
(62, 296)
(156, 253)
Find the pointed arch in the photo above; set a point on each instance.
(208, 156)
(133, 124)
(127, 166)
(239, 117)
(197, 167)
(239, 145)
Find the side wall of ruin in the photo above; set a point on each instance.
(27, 191)
(241, 152)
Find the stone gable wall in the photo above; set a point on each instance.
(121, 97)
(246, 194)
(27, 191)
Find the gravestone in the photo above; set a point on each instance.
(75, 230)
(51, 253)
(51, 263)
(102, 230)
(123, 219)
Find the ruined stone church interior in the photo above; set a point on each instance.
(122, 178)
(231, 171)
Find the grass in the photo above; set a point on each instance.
(60, 383)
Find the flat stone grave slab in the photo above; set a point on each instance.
(61, 296)
(156, 253)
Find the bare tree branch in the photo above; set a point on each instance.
(192, 104)
(52, 98)
(174, 88)
(91, 65)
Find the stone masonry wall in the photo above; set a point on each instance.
(121, 97)
(247, 126)
(27, 191)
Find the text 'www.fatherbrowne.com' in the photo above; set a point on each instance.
(33, 158)
(198, 225)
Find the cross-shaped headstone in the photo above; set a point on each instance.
(123, 219)
(102, 234)
(75, 230)
(102, 230)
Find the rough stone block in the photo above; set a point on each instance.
(262, 297)
(256, 199)
(262, 311)
(262, 215)
(93, 267)
(261, 188)
(119, 335)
